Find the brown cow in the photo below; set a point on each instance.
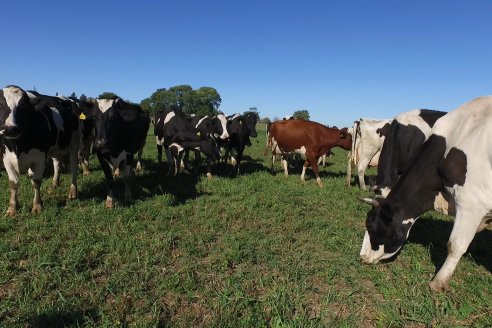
(308, 138)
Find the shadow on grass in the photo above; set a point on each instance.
(154, 180)
(434, 233)
(74, 318)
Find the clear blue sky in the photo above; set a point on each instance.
(341, 60)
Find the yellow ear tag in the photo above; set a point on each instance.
(82, 116)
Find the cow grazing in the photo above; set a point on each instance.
(402, 143)
(308, 138)
(33, 128)
(240, 129)
(367, 141)
(121, 130)
(456, 160)
(174, 131)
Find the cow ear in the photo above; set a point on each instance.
(343, 134)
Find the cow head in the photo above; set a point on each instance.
(249, 119)
(345, 140)
(15, 110)
(219, 126)
(105, 124)
(386, 230)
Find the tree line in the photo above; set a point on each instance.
(202, 101)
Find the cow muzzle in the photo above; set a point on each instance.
(11, 132)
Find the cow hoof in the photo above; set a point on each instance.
(86, 173)
(52, 189)
(209, 176)
(11, 211)
(72, 194)
(438, 286)
(36, 209)
(138, 168)
(116, 173)
(109, 203)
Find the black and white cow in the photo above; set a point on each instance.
(121, 131)
(33, 128)
(367, 141)
(456, 160)
(173, 130)
(240, 129)
(403, 142)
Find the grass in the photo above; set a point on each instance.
(252, 250)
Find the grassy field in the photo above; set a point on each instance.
(253, 250)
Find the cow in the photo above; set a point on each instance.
(367, 140)
(240, 129)
(309, 138)
(174, 131)
(455, 161)
(33, 128)
(120, 132)
(212, 126)
(403, 141)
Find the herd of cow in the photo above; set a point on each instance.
(426, 159)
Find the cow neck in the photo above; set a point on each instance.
(416, 190)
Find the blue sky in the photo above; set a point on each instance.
(341, 60)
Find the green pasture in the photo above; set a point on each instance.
(256, 250)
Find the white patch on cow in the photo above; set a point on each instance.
(235, 115)
(301, 150)
(15, 165)
(223, 123)
(370, 256)
(158, 120)
(303, 172)
(385, 191)
(178, 146)
(12, 96)
(57, 118)
(104, 104)
(200, 121)
(160, 141)
(412, 118)
(408, 221)
(168, 117)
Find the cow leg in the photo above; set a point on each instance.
(37, 170)
(138, 167)
(84, 157)
(159, 154)
(108, 177)
(74, 171)
(127, 167)
(14, 199)
(285, 165)
(311, 159)
(170, 162)
(465, 226)
(56, 173)
(361, 169)
(348, 178)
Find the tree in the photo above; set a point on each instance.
(73, 95)
(204, 101)
(83, 97)
(302, 114)
(107, 95)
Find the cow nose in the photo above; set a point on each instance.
(11, 131)
(224, 135)
(100, 144)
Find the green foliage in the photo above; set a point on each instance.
(83, 97)
(256, 250)
(108, 95)
(204, 101)
(302, 114)
(73, 95)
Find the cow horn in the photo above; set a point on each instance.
(368, 200)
